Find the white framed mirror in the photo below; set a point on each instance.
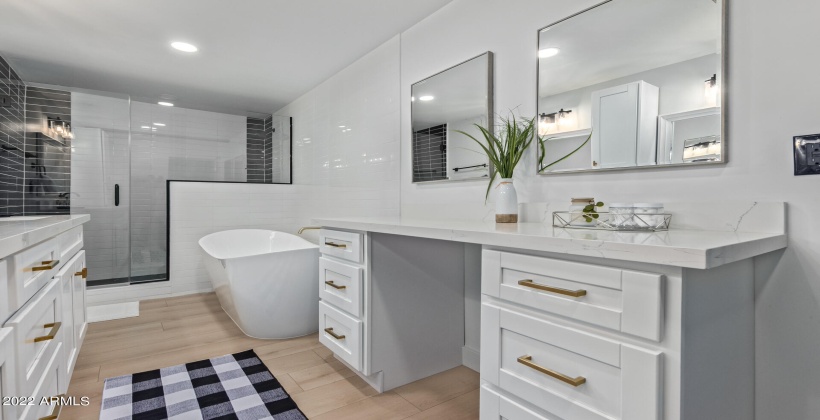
(632, 84)
(444, 105)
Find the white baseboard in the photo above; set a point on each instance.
(97, 313)
(471, 358)
(137, 292)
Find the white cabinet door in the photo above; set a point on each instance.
(72, 325)
(78, 301)
(624, 125)
(8, 384)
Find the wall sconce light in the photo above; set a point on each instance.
(546, 122)
(560, 120)
(711, 90)
(59, 128)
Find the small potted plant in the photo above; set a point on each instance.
(504, 150)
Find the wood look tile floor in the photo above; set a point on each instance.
(190, 328)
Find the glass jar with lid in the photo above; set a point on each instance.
(648, 215)
(620, 215)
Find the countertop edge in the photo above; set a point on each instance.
(643, 253)
(15, 243)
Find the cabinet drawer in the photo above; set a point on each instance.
(342, 334)
(38, 335)
(341, 285)
(496, 406)
(70, 243)
(571, 373)
(344, 245)
(51, 384)
(622, 300)
(8, 385)
(33, 268)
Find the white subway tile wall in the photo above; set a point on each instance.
(337, 171)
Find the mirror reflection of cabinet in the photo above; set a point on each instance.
(624, 123)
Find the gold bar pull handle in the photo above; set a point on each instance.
(335, 245)
(46, 265)
(334, 285)
(55, 412)
(333, 334)
(556, 290)
(527, 361)
(55, 326)
(83, 273)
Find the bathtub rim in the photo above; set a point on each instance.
(306, 244)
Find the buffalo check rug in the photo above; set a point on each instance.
(235, 386)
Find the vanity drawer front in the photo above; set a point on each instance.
(497, 406)
(344, 245)
(70, 243)
(341, 285)
(571, 373)
(342, 334)
(38, 335)
(33, 268)
(52, 383)
(622, 300)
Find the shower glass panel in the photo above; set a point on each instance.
(174, 143)
(100, 157)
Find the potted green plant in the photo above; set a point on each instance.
(504, 150)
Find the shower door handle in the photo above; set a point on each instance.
(116, 194)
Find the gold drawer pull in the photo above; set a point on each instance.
(55, 326)
(334, 285)
(83, 273)
(558, 290)
(55, 413)
(333, 334)
(46, 265)
(335, 245)
(527, 361)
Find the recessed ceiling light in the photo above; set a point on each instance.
(184, 46)
(427, 98)
(145, 127)
(341, 126)
(165, 103)
(159, 124)
(548, 52)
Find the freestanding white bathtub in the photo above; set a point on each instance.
(267, 281)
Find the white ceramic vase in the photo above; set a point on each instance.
(506, 202)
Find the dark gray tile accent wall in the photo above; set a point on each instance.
(256, 150)
(269, 149)
(48, 160)
(430, 154)
(12, 142)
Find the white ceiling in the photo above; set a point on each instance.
(626, 37)
(255, 56)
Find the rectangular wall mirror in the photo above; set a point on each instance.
(442, 105)
(632, 84)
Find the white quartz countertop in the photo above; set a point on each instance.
(681, 248)
(16, 235)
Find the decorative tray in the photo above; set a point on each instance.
(609, 221)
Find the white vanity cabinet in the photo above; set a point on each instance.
(597, 340)
(45, 323)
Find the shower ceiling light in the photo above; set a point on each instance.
(165, 103)
(548, 52)
(159, 124)
(145, 127)
(184, 46)
(427, 98)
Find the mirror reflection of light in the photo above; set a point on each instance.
(548, 52)
(427, 98)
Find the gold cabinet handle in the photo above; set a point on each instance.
(333, 334)
(557, 290)
(334, 285)
(46, 265)
(83, 273)
(55, 413)
(335, 245)
(55, 326)
(527, 361)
